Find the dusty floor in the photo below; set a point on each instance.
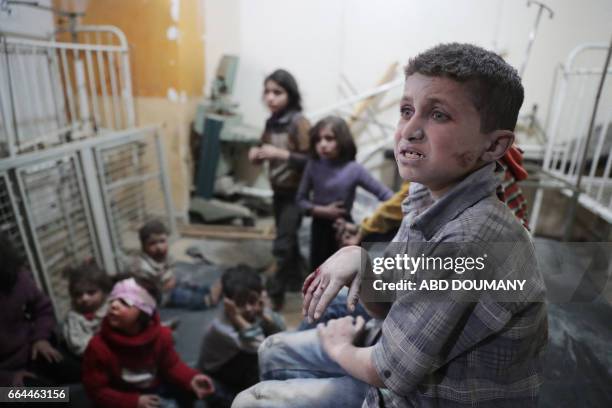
(578, 366)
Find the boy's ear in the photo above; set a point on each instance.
(499, 142)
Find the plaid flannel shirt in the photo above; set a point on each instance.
(456, 354)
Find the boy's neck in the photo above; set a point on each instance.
(439, 192)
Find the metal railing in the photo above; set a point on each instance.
(77, 179)
(53, 92)
(569, 146)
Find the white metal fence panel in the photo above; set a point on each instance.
(53, 92)
(59, 220)
(567, 131)
(11, 221)
(134, 188)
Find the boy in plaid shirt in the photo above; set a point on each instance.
(457, 117)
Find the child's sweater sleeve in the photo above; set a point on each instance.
(372, 185)
(303, 193)
(41, 310)
(172, 367)
(299, 157)
(96, 379)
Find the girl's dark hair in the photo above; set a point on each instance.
(88, 273)
(286, 81)
(344, 139)
(10, 261)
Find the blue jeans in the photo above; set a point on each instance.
(296, 372)
(189, 296)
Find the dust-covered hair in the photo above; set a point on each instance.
(494, 86)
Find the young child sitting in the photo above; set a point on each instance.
(332, 175)
(28, 349)
(88, 286)
(155, 263)
(457, 117)
(131, 362)
(229, 346)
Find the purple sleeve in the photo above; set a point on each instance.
(43, 318)
(370, 184)
(303, 193)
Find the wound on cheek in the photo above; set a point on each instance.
(465, 159)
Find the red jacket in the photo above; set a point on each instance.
(110, 352)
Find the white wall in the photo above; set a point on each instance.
(27, 20)
(317, 40)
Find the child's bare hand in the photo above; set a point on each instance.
(149, 401)
(202, 385)
(266, 302)
(47, 351)
(20, 376)
(230, 308)
(339, 333)
(330, 211)
(170, 284)
(270, 152)
(254, 155)
(321, 287)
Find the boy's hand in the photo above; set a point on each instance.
(339, 333)
(45, 349)
(330, 211)
(349, 238)
(230, 309)
(20, 376)
(148, 401)
(202, 385)
(321, 287)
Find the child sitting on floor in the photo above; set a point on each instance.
(131, 362)
(88, 286)
(229, 347)
(155, 263)
(28, 350)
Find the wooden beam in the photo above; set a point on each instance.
(226, 232)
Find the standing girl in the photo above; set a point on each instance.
(332, 176)
(284, 144)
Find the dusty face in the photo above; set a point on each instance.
(123, 317)
(438, 139)
(87, 298)
(275, 96)
(156, 246)
(327, 145)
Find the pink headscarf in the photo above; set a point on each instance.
(134, 295)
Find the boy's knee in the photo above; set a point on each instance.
(249, 398)
(267, 347)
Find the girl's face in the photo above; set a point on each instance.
(87, 298)
(327, 145)
(275, 96)
(123, 317)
